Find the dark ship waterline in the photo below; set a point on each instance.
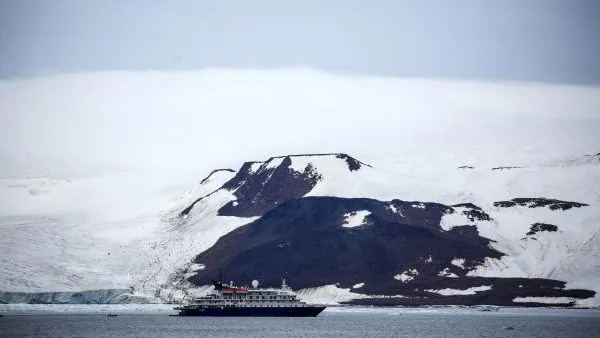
(228, 300)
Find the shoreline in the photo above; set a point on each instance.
(166, 309)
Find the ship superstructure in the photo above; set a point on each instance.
(231, 300)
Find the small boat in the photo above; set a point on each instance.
(111, 315)
(228, 300)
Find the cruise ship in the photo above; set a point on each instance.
(228, 300)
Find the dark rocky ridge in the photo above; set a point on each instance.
(216, 171)
(271, 184)
(267, 188)
(475, 212)
(537, 227)
(466, 167)
(353, 164)
(540, 202)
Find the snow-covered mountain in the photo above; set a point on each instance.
(330, 221)
(391, 250)
(493, 187)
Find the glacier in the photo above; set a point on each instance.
(110, 296)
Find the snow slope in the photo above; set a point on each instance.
(84, 251)
(95, 167)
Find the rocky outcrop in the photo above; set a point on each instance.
(268, 187)
(260, 186)
(538, 227)
(540, 202)
(473, 212)
(311, 242)
(393, 248)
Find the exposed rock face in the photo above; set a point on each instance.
(261, 186)
(394, 248)
(470, 233)
(537, 227)
(306, 241)
(466, 167)
(268, 187)
(353, 164)
(473, 212)
(539, 202)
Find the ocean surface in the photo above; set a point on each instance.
(140, 321)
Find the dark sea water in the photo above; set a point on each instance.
(360, 322)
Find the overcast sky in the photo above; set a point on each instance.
(553, 41)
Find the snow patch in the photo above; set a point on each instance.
(457, 218)
(299, 163)
(358, 286)
(407, 276)
(418, 205)
(503, 267)
(395, 210)
(193, 269)
(446, 273)
(458, 262)
(333, 295)
(328, 294)
(255, 166)
(453, 292)
(338, 180)
(355, 218)
(272, 163)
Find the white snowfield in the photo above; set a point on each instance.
(96, 167)
(355, 218)
(469, 291)
(328, 294)
(334, 295)
(407, 276)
